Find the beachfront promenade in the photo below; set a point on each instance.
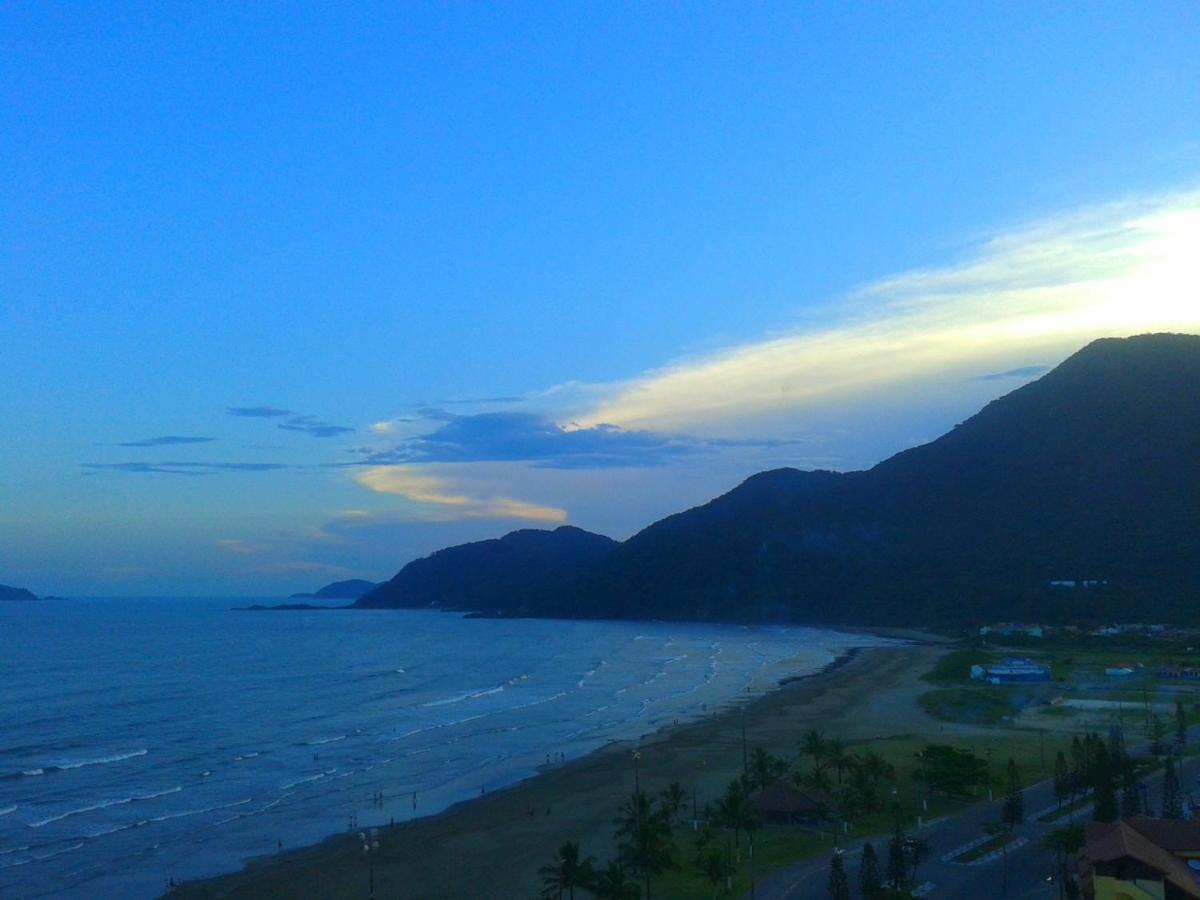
(1028, 864)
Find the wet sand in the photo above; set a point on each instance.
(491, 847)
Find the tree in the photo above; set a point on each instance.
(614, 883)
(838, 757)
(644, 838)
(812, 743)
(877, 768)
(673, 798)
(765, 768)
(868, 872)
(1104, 784)
(733, 811)
(897, 862)
(1172, 803)
(713, 868)
(839, 887)
(1157, 731)
(1014, 801)
(952, 771)
(817, 780)
(1062, 779)
(1002, 830)
(1079, 783)
(568, 871)
(1064, 843)
(1131, 793)
(1180, 726)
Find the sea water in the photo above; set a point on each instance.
(143, 740)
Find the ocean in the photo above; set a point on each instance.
(148, 739)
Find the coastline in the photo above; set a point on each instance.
(493, 840)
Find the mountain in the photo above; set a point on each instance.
(514, 574)
(1091, 473)
(351, 589)
(16, 593)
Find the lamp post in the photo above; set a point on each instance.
(370, 846)
(637, 781)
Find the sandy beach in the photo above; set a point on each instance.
(491, 847)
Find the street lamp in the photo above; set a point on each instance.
(370, 846)
(637, 782)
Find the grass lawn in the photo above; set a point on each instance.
(773, 849)
(973, 707)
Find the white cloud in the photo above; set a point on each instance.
(1031, 295)
(440, 498)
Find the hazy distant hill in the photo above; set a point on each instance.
(1091, 472)
(515, 573)
(351, 589)
(16, 593)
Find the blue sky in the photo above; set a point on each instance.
(418, 274)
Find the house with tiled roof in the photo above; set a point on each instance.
(1140, 858)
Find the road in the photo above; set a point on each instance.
(1028, 865)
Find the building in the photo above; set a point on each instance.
(1010, 671)
(1141, 859)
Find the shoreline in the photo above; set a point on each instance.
(427, 854)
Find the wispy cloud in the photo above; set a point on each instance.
(1048, 288)
(314, 426)
(172, 467)
(1022, 372)
(442, 499)
(165, 441)
(258, 412)
(530, 437)
(293, 421)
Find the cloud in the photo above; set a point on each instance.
(166, 440)
(530, 437)
(1047, 288)
(314, 426)
(258, 412)
(187, 468)
(445, 500)
(1022, 372)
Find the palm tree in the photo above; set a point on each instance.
(568, 871)
(839, 758)
(735, 812)
(812, 743)
(816, 780)
(644, 837)
(877, 768)
(673, 798)
(614, 883)
(765, 768)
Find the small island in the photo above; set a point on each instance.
(17, 594)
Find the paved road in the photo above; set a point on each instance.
(1028, 865)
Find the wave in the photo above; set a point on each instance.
(45, 856)
(9, 809)
(250, 755)
(318, 741)
(104, 804)
(76, 764)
